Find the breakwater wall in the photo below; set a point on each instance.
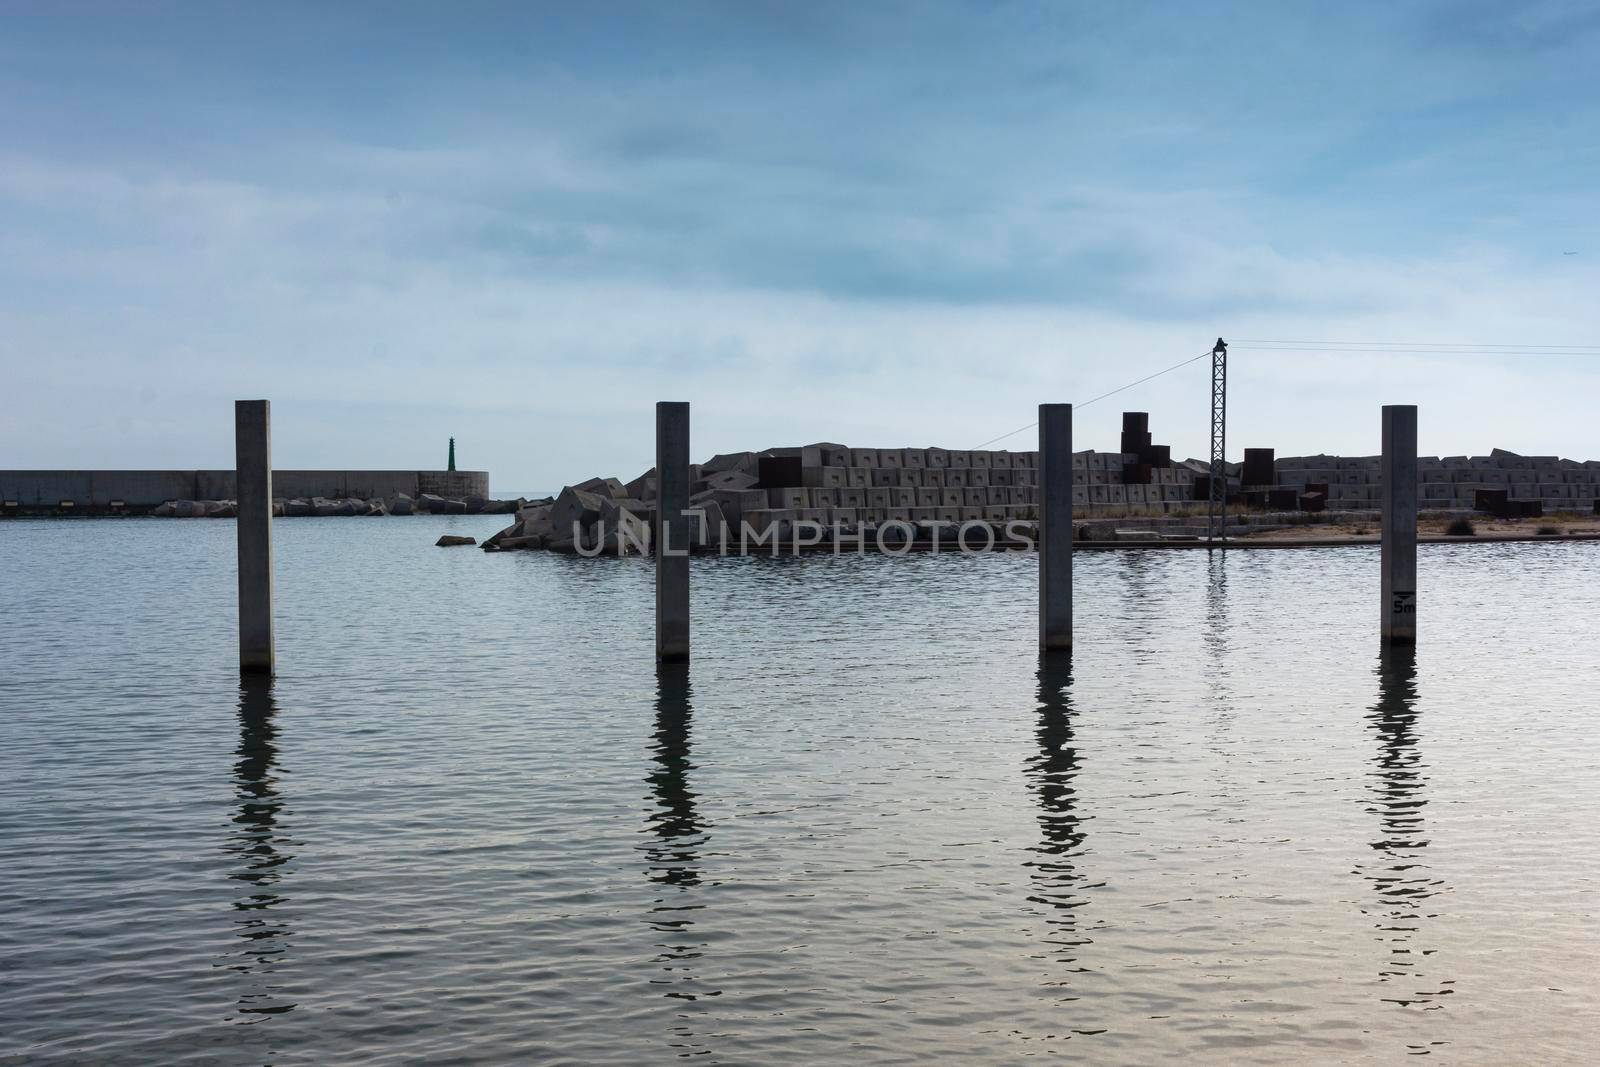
(934, 492)
(101, 491)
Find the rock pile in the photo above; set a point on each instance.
(1460, 483)
(922, 492)
(933, 493)
(400, 504)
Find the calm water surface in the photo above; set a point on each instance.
(470, 823)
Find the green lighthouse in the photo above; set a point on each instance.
(452, 454)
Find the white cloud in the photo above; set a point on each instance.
(915, 242)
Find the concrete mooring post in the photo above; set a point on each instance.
(671, 534)
(1055, 526)
(252, 436)
(1399, 553)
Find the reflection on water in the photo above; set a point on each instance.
(1058, 881)
(1216, 634)
(258, 845)
(674, 855)
(839, 857)
(1219, 667)
(1403, 882)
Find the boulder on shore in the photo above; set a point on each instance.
(574, 508)
(610, 487)
(533, 529)
(324, 507)
(438, 505)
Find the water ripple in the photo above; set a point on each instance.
(471, 822)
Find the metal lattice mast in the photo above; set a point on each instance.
(1217, 510)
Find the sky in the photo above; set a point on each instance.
(877, 224)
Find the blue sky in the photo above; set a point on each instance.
(879, 224)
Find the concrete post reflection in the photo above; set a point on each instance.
(1403, 882)
(673, 856)
(1052, 770)
(258, 844)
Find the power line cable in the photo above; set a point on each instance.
(1102, 396)
(1257, 344)
(1422, 348)
(1464, 352)
(1413, 344)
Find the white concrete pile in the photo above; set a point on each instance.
(834, 487)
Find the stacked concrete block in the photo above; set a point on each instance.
(1450, 482)
(825, 476)
(735, 504)
(862, 487)
(610, 487)
(728, 461)
(824, 454)
(794, 497)
(574, 506)
(642, 487)
(1508, 461)
(864, 457)
(725, 480)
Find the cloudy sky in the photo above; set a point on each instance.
(880, 224)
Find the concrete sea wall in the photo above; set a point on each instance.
(98, 491)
